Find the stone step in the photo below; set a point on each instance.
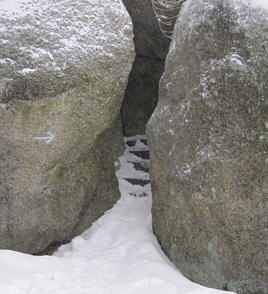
(144, 154)
(139, 182)
(144, 141)
(141, 166)
(142, 194)
(131, 143)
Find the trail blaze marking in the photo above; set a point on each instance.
(49, 138)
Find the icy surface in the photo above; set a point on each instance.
(118, 255)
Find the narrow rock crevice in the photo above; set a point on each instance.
(151, 47)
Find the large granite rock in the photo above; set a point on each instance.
(208, 146)
(63, 69)
(151, 48)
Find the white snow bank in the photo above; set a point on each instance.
(119, 254)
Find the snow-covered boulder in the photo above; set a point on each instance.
(63, 72)
(208, 145)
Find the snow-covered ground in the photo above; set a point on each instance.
(118, 255)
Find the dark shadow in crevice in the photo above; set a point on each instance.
(151, 48)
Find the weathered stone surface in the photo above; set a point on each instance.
(208, 146)
(151, 47)
(118, 144)
(63, 68)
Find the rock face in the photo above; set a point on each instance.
(63, 69)
(208, 146)
(151, 48)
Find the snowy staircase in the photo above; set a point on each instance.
(137, 171)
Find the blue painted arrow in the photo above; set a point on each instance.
(49, 138)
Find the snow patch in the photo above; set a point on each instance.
(64, 30)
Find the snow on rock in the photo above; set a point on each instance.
(118, 255)
(52, 37)
(64, 25)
